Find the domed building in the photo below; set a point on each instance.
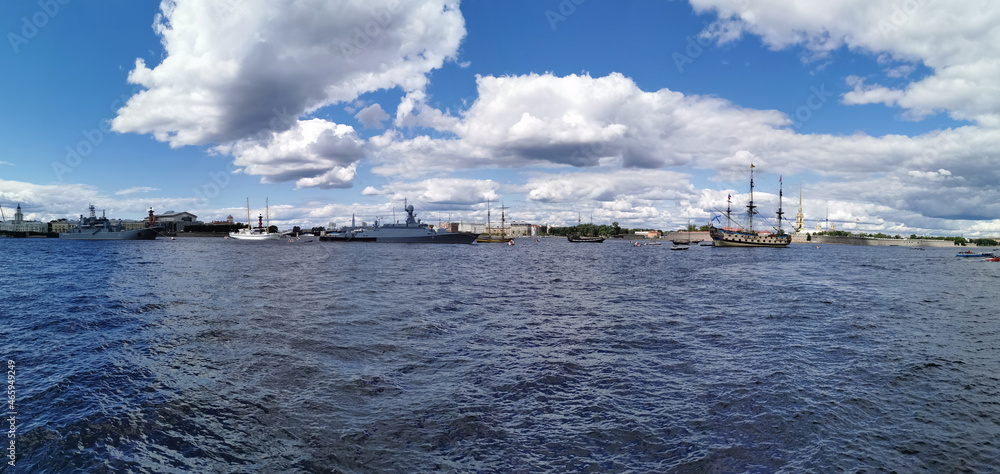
(21, 225)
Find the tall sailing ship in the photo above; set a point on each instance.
(261, 232)
(747, 236)
(489, 237)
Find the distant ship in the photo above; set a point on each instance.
(413, 231)
(253, 234)
(261, 232)
(578, 238)
(584, 239)
(101, 228)
(746, 236)
(491, 238)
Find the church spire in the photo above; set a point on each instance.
(800, 220)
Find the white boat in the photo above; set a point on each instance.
(253, 234)
(260, 232)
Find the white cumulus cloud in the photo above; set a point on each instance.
(233, 70)
(314, 153)
(372, 116)
(956, 40)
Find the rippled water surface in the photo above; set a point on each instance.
(209, 355)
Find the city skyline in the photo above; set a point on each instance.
(884, 113)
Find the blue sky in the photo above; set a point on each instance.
(642, 113)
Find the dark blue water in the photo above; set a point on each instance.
(207, 355)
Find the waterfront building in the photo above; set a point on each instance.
(60, 225)
(474, 227)
(176, 221)
(522, 229)
(132, 224)
(228, 221)
(18, 224)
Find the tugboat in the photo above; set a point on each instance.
(411, 232)
(746, 236)
(100, 228)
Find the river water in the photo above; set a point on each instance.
(208, 355)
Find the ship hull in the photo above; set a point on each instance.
(399, 238)
(239, 236)
(730, 238)
(412, 232)
(491, 240)
(580, 240)
(101, 234)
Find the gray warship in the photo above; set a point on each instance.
(413, 232)
(101, 228)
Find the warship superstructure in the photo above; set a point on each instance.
(412, 231)
(102, 228)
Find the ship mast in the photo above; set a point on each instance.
(780, 212)
(729, 210)
(750, 207)
(503, 220)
